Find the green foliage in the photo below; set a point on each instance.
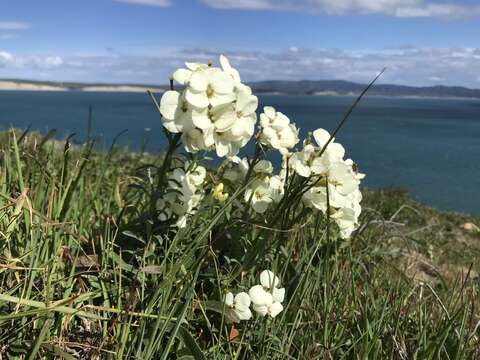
(87, 270)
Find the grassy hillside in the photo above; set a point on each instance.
(87, 271)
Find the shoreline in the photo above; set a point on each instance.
(9, 85)
(15, 85)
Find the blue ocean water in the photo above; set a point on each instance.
(430, 147)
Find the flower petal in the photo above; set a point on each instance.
(201, 120)
(225, 121)
(169, 104)
(182, 76)
(242, 299)
(208, 137)
(228, 299)
(246, 103)
(259, 296)
(196, 98)
(269, 111)
(243, 314)
(268, 279)
(321, 137)
(260, 309)
(222, 147)
(218, 99)
(279, 294)
(225, 63)
(199, 81)
(275, 309)
(221, 82)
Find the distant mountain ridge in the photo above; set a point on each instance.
(302, 87)
(341, 87)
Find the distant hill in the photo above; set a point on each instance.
(340, 87)
(303, 87)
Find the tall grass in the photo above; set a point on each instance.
(88, 272)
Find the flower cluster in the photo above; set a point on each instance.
(262, 192)
(334, 182)
(277, 131)
(184, 193)
(264, 189)
(215, 111)
(265, 298)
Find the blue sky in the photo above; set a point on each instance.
(421, 42)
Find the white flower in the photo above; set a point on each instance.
(184, 194)
(230, 126)
(343, 177)
(193, 140)
(334, 150)
(196, 177)
(353, 166)
(258, 194)
(277, 185)
(271, 282)
(268, 279)
(176, 112)
(302, 161)
(309, 161)
(240, 306)
(272, 309)
(343, 195)
(262, 192)
(210, 86)
(237, 169)
(244, 115)
(215, 119)
(260, 296)
(183, 76)
(317, 197)
(277, 131)
(267, 298)
(263, 167)
(229, 69)
(225, 143)
(346, 220)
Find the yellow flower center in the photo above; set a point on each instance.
(209, 91)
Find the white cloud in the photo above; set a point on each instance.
(159, 3)
(53, 61)
(397, 8)
(13, 25)
(5, 58)
(405, 66)
(26, 62)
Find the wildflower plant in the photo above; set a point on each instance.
(213, 112)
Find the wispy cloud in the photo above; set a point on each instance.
(159, 3)
(13, 25)
(5, 58)
(405, 66)
(8, 36)
(12, 63)
(396, 8)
